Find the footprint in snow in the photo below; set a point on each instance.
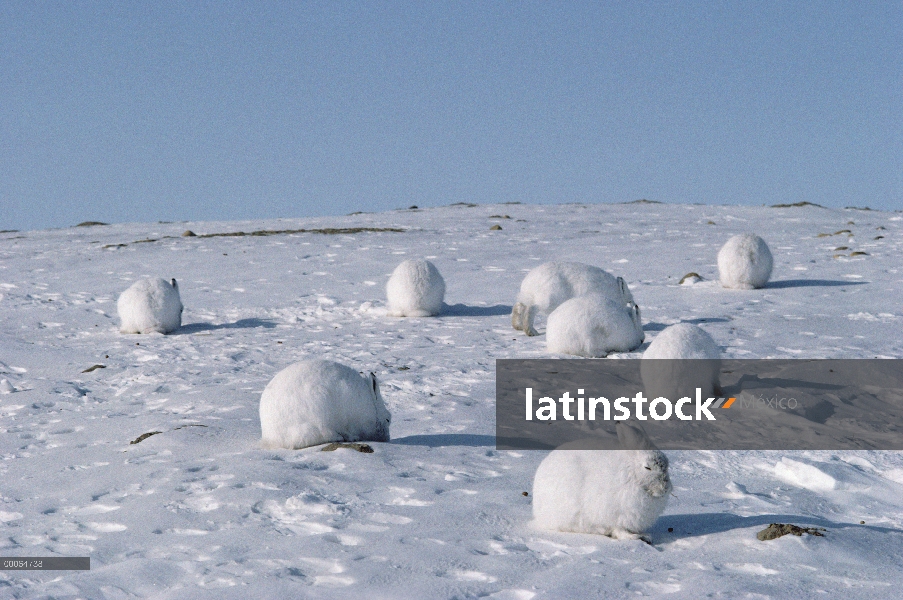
(105, 527)
(302, 514)
(327, 572)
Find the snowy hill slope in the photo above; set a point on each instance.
(200, 510)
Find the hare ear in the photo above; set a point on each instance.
(636, 311)
(373, 383)
(632, 437)
(622, 285)
(174, 284)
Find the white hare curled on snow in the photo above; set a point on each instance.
(150, 305)
(744, 262)
(550, 284)
(594, 325)
(618, 493)
(319, 401)
(415, 289)
(680, 359)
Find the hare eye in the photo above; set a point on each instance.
(647, 468)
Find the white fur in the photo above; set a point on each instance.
(682, 341)
(670, 374)
(150, 305)
(618, 493)
(318, 401)
(593, 326)
(415, 289)
(744, 262)
(550, 284)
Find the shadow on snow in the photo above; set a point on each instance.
(798, 283)
(463, 310)
(446, 439)
(240, 324)
(653, 326)
(693, 525)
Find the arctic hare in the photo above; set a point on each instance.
(593, 326)
(618, 493)
(744, 262)
(680, 359)
(415, 289)
(150, 305)
(318, 401)
(548, 285)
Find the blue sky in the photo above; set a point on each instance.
(127, 111)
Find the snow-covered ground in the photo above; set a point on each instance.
(200, 510)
